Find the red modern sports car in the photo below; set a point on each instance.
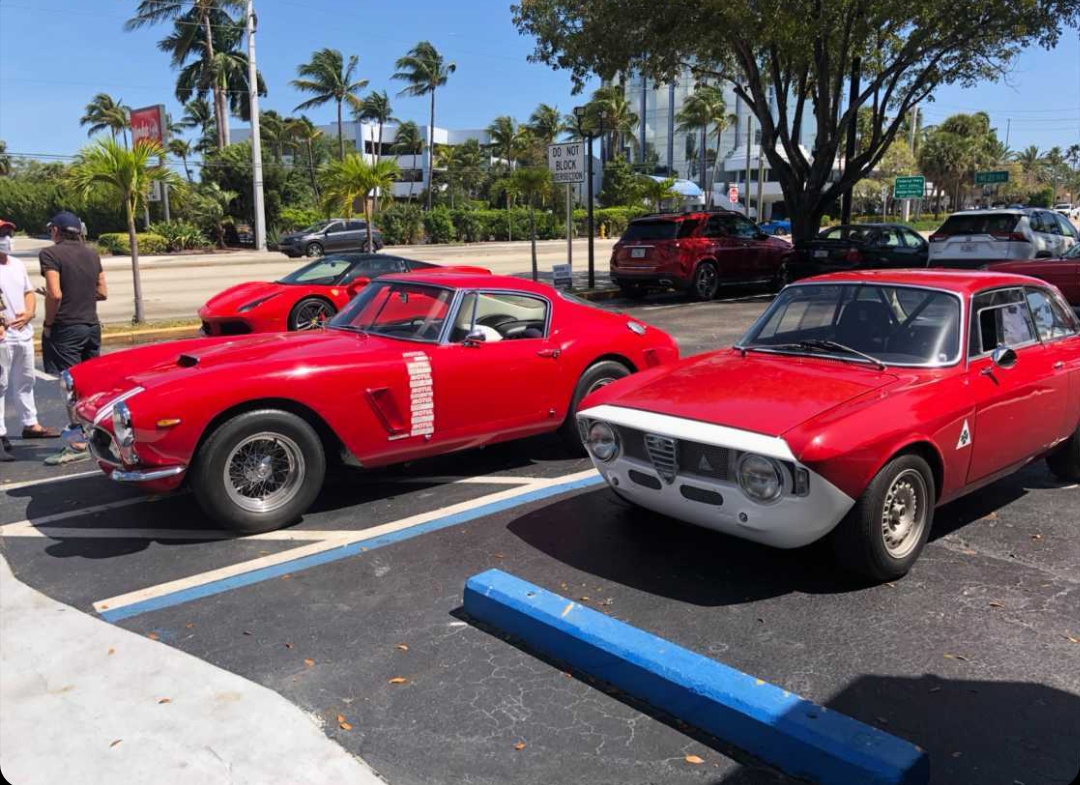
(414, 366)
(855, 405)
(305, 298)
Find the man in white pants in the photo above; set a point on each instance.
(17, 345)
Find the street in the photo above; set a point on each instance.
(972, 656)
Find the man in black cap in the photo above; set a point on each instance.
(74, 283)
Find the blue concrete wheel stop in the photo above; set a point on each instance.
(790, 733)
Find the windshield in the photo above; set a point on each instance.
(321, 272)
(410, 312)
(980, 223)
(896, 325)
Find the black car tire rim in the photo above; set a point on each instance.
(312, 315)
(705, 282)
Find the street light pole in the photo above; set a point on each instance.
(579, 116)
(256, 144)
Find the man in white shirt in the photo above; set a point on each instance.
(17, 306)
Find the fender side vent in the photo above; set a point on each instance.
(187, 361)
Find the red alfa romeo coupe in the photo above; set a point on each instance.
(414, 366)
(305, 298)
(854, 406)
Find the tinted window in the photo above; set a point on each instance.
(355, 226)
(1050, 318)
(854, 234)
(414, 312)
(651, 230)
(322, 272)
(983, 223)
(889, 237)
(372, 268)
(911, 239)
(412, 264)
(1049, 223)
(743, 228)
(337, 226)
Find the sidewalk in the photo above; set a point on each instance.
(84, 701)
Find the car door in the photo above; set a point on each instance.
(334, 236)
(1059, 330)
(505, 385)
(1049, 231)
(889, 249)
(1069, 234)
(1011, 403)
(920, 249)
(725, 247)
(355, 238)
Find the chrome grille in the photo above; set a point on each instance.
(663, 453)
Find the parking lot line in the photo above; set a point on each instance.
(341, 545)
(14, 486)
(80, 512)
(29, 529)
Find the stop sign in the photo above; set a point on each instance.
(733, 194)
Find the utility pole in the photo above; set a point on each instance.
(580, 118)
(912, 120)
(671, 129)
(256, 145)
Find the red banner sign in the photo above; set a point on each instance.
(148, 123)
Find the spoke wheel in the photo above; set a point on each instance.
(903, 514)
(314, 250)
(312, 315)
(264, 472)
(706, 282)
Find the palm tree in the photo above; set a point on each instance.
(199, 114)
(110, 171)
(507, 138)
(106, 113)
(612, 114)
(702, 108)
(1072, 155)
(509, 187)
(330, 78)
(301, 129)
(200, 18)
(376, 107)
(546, 123)
(210, 204)
(656, 191)
(272, 129)
(352, 178)
(181, 148)
(407, 141)
(1031, 162)
(532, 182)
(425, 70)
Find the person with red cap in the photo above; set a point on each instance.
(17, 307)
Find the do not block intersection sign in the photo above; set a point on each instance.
(567, 162)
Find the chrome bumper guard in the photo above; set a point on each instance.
(147, 475)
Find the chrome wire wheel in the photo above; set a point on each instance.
(706, 282)
(313, 315)
(264, 472)
(903, 513)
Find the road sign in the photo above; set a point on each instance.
(567, 162)
(149, 123)
(989, 178)
(733, 194)
(562, 275)
(155, 192)
(909, 187)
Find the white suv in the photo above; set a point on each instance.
(974, 236)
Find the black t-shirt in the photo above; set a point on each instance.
(79, 267)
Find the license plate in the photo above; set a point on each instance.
(637, 253)
(822, 254)
(967, 247)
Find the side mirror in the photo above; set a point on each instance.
(1044, 255)
(474, 338)
(357, 284)
(1003, 357)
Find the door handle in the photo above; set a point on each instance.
(552, 354)
(1059, 365)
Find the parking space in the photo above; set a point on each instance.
(972, 656)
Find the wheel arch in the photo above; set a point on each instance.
(929, 452)
(610, 357)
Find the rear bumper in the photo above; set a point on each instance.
(652, 279)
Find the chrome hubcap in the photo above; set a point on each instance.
(264, 472)
(903, 514)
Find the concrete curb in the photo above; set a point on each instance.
(138, 337)
(771, 724)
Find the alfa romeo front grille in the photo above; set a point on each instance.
(664, 455)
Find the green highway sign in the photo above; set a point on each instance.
(989, 178)
(910, 187)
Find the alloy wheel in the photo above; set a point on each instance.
(903, 513)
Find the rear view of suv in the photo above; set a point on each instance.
(972, 237)
(695, 253)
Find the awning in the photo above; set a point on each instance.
(685, 188)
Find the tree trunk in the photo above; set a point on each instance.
(532, 238)
(378, 155)
(716, 163)
(509, 219)
(340, 134)
(311, 170)
(187, 171)
(431, 148)
(136, 281)
(805, 223)
(208, 46)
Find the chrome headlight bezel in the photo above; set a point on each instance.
(602, 441)
(764, 464)
(124, 433)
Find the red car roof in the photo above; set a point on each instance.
(470, 281)
(959, 281)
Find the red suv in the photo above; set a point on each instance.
(695, 253)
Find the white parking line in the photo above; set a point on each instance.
(28, 529)
(78, 512)
(482, 479)
(14, 486)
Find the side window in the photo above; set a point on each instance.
(335, 227)
(1035, 221)
(890, 238)
(1049, 223)
(356, 226)
(1001, 319)
(510, 317)
(716, 226)
(1067, 228)
(745, 229)
(1050, 319)
(466, 317)
(688, 227)
(911, 239)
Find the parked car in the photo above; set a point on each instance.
(1063, 272)
(696, 253)
(856, 404)
(977, 236)
(306, 298)
(778, 226)
(1066, 209)
(857, 247)
(329, 236)
(416, 365)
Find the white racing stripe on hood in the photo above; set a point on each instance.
(692, 430)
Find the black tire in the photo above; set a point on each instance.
(783, 277)
(705, 283)
(631, 292)
(1064, 461)
(279, 433)
(314, 250)
(377, 245)
(310, 313)
(860, 541)
(596, 376)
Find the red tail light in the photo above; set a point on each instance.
(938, 237)
(853, 256)
(1009, 237)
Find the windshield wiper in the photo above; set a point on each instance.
(821, 345)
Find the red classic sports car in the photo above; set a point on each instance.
(856, 404)
(414, 366)
(305, 298)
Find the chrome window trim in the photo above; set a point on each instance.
(382, 282)
(445, 338)
(963, 338)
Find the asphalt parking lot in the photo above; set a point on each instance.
(975, 655)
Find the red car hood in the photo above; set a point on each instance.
(760, 393)
(230, 300)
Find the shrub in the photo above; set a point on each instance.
(179, 235)
(400, 224)
(117, 243)
(439, 226)
(471, 226)
(1043, 197)
(292, 218)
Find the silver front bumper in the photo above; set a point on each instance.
(147, 475)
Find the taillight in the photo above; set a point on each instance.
(938, 238)
(1009, 237)
(853, 256)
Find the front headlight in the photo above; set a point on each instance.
(122, 430)
(760, 478)
(602, 441)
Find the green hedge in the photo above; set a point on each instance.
(117, 243)
(179, 236)
(292, 218)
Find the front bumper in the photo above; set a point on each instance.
(711, 502)
(147, 475)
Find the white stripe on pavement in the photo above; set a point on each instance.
(14, 486)
(28, 529)
(79, 512)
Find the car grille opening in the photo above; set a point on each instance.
(233, 328)
(103, 447)
(701, 495)
(645, 479)
(663, 453)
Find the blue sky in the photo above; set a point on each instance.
(55, 54)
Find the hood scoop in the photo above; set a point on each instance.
(187, 361)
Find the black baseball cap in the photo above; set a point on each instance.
(66, 221)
